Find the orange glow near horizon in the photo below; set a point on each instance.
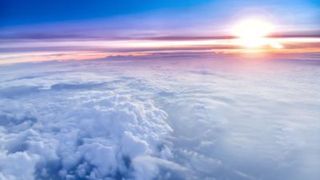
(95, 49)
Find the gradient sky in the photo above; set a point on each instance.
(144, 26)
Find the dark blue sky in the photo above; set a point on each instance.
(39, 11)
(150, 16)
(17, 12)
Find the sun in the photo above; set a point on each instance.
(254, 33)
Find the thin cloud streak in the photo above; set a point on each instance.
(24, 50)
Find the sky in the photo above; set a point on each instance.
(132, 27)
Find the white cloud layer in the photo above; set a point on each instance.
(160, 119)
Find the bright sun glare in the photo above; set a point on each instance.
(253, 33)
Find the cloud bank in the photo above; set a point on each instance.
(164, 118)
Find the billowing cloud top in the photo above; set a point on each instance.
(164, 118)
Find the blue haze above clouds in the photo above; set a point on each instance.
(160, 118)
(69, 18)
